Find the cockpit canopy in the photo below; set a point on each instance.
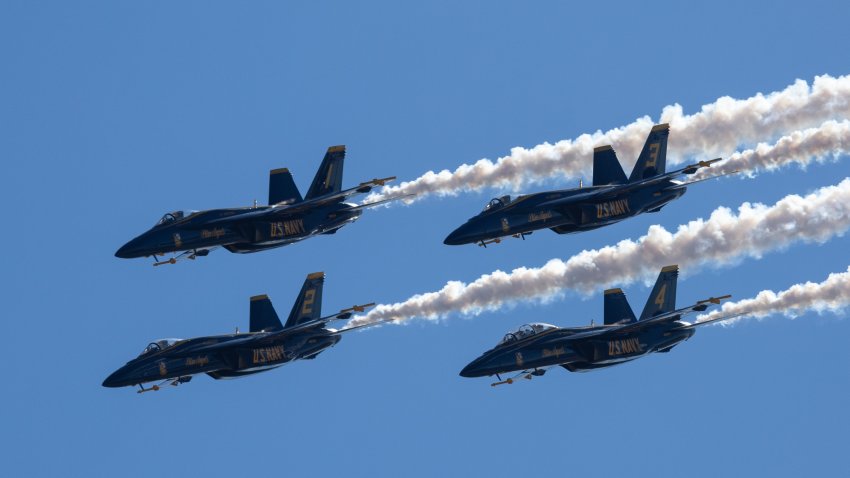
(158, 345)
(497, 203)
(524, 331)
(170, 217)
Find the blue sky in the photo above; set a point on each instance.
(116, 112)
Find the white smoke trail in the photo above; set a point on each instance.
(828, 141)
(724, 238)
(833, 295)
(718, 129)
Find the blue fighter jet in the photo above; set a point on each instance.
(612, 198)
(267, 345)
(533, 348)
(287, 219)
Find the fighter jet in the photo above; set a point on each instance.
(533, 348)
(268, 344)
(288, 218)
(612, 198)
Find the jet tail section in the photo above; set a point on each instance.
(328, 178)
(653, 158)
(262, 315)
(663, 296)
(606, 167)
(617, 309)
(282, 188)
(308, 305)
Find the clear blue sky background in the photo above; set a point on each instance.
(112, 113)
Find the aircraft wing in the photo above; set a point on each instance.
(222, 345)
(288, 207)
(361, 188)
(247, 338)
(596, 193)
(382, 201)
(718, 319)
(343, 314)
(671, 316)
(690, 169)
(624, 188)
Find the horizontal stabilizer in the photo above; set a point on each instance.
(282, 188)
(606, 167)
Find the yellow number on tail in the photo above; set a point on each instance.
(659, 299)
(309, 297)
(653, 155)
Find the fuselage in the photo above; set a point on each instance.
(559, 347)
(241, 230)
(222, 356)
(593, 207)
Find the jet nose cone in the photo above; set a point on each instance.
(458, 237)
(131, 250)
(472, 370)
(113, 380)
(123, 252)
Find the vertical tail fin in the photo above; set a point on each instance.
(262, 315)
(282, 188)
(617, 309)
(606, 167)
(663, 296)
(308, 305)
(653, 158)
(328, 178)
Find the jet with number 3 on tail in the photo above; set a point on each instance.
(533, 348)
(267, 345)
(612, 198)
(288, 218)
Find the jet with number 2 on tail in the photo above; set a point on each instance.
(269, 344)
(287, 219)
(533, 348)
(612, 198)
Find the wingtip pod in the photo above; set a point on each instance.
(357, 308)
(716, 300)
(702, 164)
(378, 181)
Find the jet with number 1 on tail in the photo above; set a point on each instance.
(288, 218)
(612, 198)
(533, 348)
(269, 344)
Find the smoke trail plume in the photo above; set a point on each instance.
(724, 238)
(718, 129)
(828, 141)
(833, 294)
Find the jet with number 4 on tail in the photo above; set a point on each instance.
(288, 218)
(533, 348)
(267, 345)
(612, 198)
